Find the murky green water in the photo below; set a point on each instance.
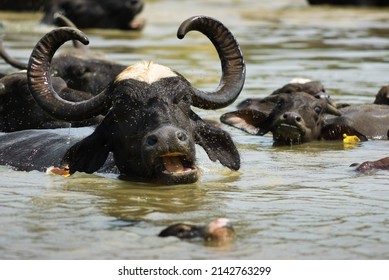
(299, 202)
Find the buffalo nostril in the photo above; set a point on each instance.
(181, 136)
(298, 119)
(285, 116)
(151, 140)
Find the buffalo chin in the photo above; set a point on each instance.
(174, 178)
(288, 134)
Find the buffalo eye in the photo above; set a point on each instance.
(318, 109)
(280, 103)
(182, 97)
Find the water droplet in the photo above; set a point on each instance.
(69, 137)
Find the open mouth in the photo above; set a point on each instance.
(289, 132)
(177, 168)
(176, 163)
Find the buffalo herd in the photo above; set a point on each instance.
(137, 120)
(142, 125)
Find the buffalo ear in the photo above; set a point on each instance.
(335, 131)
(248, 120)
(88, 155)
(216, 142)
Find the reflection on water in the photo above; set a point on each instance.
(299, 202)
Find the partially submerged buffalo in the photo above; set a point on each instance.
(22, 5)
(111, 14)
(295, 118)
(218, 232)
(367, 121)
(74, 79)
(19, 110)
(350, 2)
(300, 117)
(149, 129)
(81, 68)
(79, 74)
(368, 166)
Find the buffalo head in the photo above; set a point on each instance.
(382, 97)
(295, 118)
(150, 127)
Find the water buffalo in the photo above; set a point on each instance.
(295, 118)
(19, 111)
(22, 5)
(149, 129)
(111, 14)
(367, 166)
(74, 78)
(367, 121)
(218, 232)
(79, 68)
(350, 2)
(82, 72)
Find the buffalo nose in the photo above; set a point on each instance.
(166, 135)
(291, 117)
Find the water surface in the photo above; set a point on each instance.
(298, 202)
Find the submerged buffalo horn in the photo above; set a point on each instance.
(40, 82)
(232, 62)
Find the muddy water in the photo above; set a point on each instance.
(298, 202)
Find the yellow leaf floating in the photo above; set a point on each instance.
(350, 139)
(64, 171)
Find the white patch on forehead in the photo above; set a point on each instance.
(300, 81)
(145, 71)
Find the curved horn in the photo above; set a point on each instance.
(40, 82)
(232, 62)
(63, 21)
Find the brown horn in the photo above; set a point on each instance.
(232, 62)
(40, 83)
(63, 21)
